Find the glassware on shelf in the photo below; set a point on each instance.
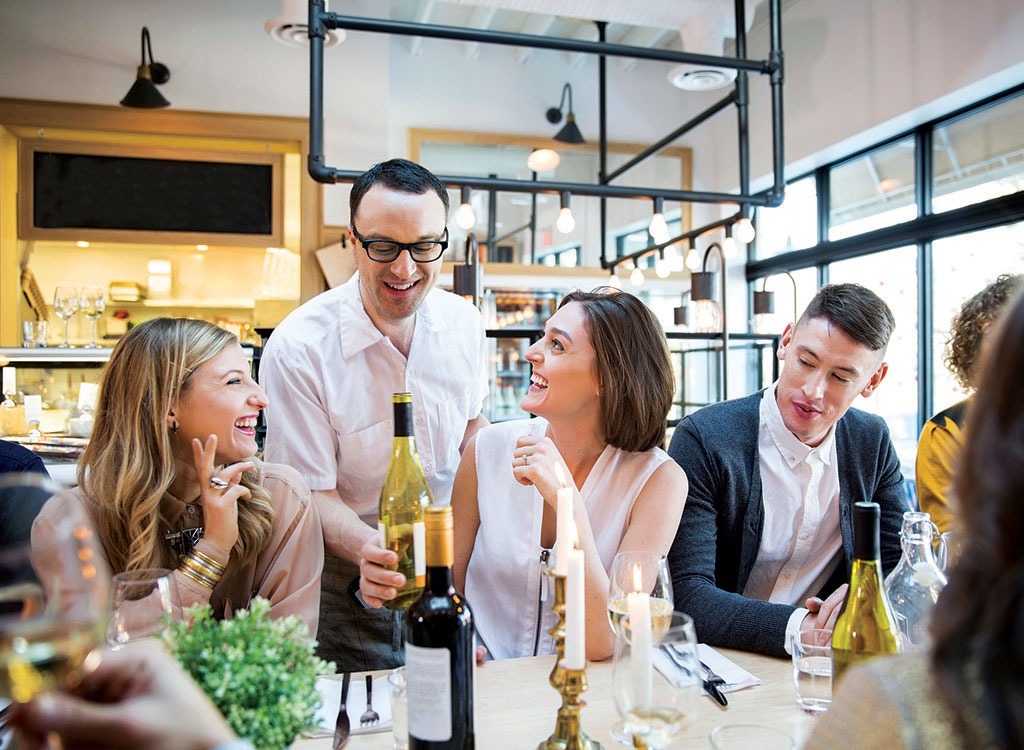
(92, 301)
(655, 710)
(65, 305)
(915, 583)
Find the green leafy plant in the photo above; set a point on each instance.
(260, 672)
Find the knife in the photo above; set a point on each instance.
(712, 685)
(341, 726)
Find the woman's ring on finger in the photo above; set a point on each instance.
(218, 484)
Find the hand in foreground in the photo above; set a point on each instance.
(220, 503)
(534, 462)
(138, 697)
(823, 614)
(376, 582)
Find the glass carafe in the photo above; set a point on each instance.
(915, 583)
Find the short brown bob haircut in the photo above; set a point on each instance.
(633, 367)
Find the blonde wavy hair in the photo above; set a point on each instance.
(128, 465)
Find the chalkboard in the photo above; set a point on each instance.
(85, 191)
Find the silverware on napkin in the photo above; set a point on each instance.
(712, 684)
(341, 726)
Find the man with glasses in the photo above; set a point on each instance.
(330, 369)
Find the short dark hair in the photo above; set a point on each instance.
(397, 174)
(969, 325)
(860, 313)
(633, 367)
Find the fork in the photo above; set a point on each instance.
(369, 715)
(341, 726)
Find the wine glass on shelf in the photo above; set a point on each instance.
(645, 573)
(655, 710)
(93, 302)
(54, 595)
(65, 305)
(144, 602)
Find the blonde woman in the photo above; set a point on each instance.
(170, 478)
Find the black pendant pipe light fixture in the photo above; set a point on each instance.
(143, 94)
(569, 132)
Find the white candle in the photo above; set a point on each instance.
(640, 666)
(563, 525)
(575, 614)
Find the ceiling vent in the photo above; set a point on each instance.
(700, 77)
(704, 33)
(292, 26)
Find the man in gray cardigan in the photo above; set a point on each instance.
(765, 543)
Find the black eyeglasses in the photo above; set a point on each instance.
(386, 251)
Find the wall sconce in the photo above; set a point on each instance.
(543, 160)
(681, 314)
(569, 132)
(467, 278)
(464, 216)
(764, 307)
(708, 315)
(565, 222)
(143, 94)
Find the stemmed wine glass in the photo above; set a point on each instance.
(638, 571)
(65, 305)
(54, 595)
(93, 302)
(144, 603)
(655, 710)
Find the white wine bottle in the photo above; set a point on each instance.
(440, 658)
(866, 626)
(402, 500)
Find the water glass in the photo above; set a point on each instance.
(144, 603)
(33, 334)
(93, 302)
(644, 572)
(812, 670)
(399, 709)
(65, 305)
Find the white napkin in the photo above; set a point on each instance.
(735, 676)
(330, 696)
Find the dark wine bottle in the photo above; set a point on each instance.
(402, 499)
(866, 626)
(440, 658)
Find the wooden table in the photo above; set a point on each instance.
(515, 706)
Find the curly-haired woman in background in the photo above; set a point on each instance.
(941, 436)
(170, 478)
(967, 692)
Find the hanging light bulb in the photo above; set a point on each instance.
(614, 281)
(744, 230)
(662, 267)
(565, 222)
(636, 278)
(658, 227)
(676, 261)
(693, 259)
(464, 216)
(543, 160)
(729, 247)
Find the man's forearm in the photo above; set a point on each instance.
(345, 533)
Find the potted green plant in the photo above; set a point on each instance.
(260, 672)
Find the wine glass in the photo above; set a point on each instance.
(655, 710)
(644, 572)
(92, 301)
(65, 305)
(144, 603)
(54, 595)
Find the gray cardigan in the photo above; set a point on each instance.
(720, 532)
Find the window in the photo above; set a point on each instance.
(979, 156)
(874, 190)
(791, 226)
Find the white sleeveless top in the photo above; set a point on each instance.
(505, 585)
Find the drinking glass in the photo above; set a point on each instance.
(638, 571)
(92, 301)
(144, 603)
(54, 596)
(65, 305)
(654, 710)
(812, 670)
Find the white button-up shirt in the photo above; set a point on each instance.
(800, 541)
(329, 375)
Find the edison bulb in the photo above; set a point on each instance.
(636, 278)
(743, 230)
(464, 217)
(729, 248)
(614, 281)
(658, 228)
(565, 222)
(662, 268)
(693, 259)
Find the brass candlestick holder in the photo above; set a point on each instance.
(570, 683)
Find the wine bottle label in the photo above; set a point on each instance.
(419, 547)
(429, 691)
